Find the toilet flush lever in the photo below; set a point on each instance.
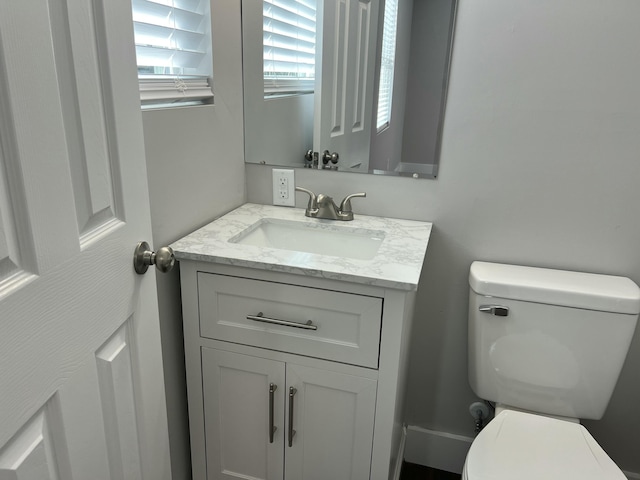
(497, 310)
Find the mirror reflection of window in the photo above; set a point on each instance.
(289, 42)
(387, 64)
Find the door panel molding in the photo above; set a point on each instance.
(36, 452)
(115, 378)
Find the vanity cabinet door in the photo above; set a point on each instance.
(237, 408)
(333, 418)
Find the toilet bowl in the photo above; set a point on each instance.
(547, 346)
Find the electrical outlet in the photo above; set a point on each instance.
(284, 187)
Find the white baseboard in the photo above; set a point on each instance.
(400, 457)
(441, 450)
(444, 451)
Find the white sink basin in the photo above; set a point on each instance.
(317, 238)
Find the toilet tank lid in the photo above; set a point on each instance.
(556, 287)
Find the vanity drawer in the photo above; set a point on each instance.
(343, 327)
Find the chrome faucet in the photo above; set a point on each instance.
(323, 206)
(312, 206)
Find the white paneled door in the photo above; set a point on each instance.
(345, 61)
(81, 385)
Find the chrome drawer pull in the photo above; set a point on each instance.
(292, 432)
(272, 427)
(285, 323)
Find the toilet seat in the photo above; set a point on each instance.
(532, 447)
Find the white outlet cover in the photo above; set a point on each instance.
(284, 187)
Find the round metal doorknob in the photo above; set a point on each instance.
(330, 157)
(308, 156)
(164, 259)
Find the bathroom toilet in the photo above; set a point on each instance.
(547, 347)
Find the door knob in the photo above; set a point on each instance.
(308, 156)
(163, 259)
(310, 159)
(330, 157)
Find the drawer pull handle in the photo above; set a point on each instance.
(285, 323)
(272, 427)
(292, 432)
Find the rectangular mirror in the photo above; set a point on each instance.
(362, 83)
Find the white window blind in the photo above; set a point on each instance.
(173, 49)
(289, 43)
(388, 55)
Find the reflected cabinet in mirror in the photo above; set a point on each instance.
(347, 85)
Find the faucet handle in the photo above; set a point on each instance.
(345, 205)
(313, 201)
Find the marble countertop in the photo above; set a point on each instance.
(396, 264)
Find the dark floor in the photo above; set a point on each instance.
(411, 471)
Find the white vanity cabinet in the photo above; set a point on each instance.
(347, 374)
(279, 341)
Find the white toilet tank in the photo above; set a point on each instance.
(548, 341)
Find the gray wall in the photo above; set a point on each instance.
(196, 173)
(540, 166)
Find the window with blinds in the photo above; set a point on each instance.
(173, 49)
(387, 64)
(289, 46)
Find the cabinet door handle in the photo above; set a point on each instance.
(292, 432)
(272, 427)
(285, 323)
